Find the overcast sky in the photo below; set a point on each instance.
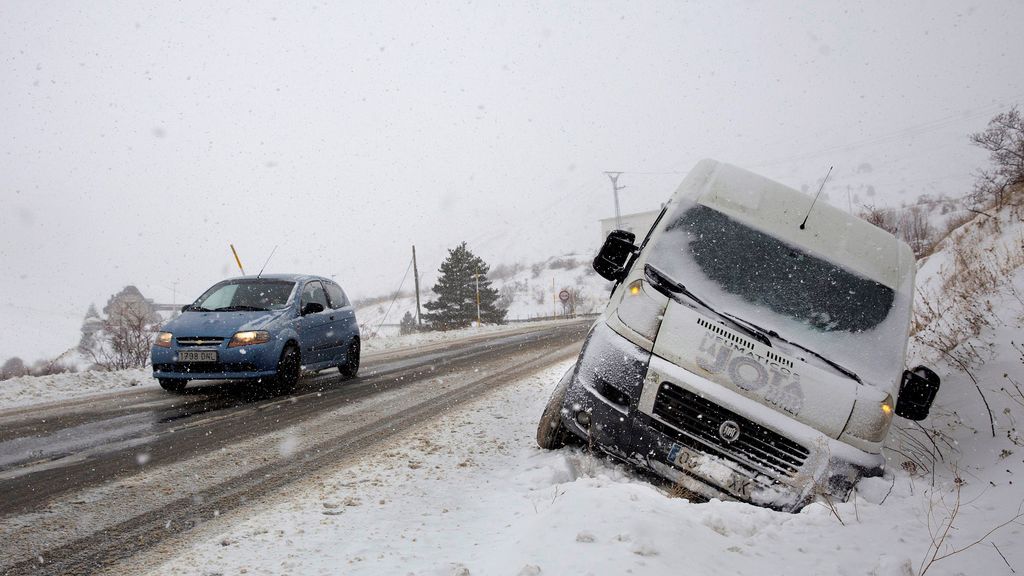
(137, 142)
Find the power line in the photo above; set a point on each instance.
(397, 294)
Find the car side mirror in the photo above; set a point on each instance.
(186, 307)
(611, 261)
(917, 392)
(312, 308)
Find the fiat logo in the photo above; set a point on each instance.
(729, 431)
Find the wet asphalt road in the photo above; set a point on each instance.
(89, 482)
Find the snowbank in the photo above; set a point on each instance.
(26, 390)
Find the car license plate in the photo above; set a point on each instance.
(197, 356)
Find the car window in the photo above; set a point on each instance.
(219, 297)
(314, 292)
(338, 298)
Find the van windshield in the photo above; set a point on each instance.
(757, 277)
(765, 271)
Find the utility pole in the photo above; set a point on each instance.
(416, 277)
(614, 176)
(477, 277)
(478, 300)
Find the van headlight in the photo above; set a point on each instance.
(642, 309)
(249, 337)
(870, 419)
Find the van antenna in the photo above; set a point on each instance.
(820, 188)
(267, 262)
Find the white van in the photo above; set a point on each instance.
(753, 347)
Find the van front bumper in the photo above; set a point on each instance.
(784, 467)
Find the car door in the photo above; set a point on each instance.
(344, 324)
(314, 328)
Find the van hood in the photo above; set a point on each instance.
(730, 358)
(221, 324)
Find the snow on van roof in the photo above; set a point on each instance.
(778, 210)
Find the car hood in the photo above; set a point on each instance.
(222, 324)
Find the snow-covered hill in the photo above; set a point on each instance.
(528, 291)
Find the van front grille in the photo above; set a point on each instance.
(698, 422)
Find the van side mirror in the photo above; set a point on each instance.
(917, 392)
(312, 308)
(611, 261)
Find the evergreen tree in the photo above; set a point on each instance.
(455, 306)
(408, 324)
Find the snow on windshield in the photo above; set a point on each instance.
(855, 321)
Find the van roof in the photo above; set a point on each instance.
(778, 210)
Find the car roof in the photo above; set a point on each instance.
(288, 277)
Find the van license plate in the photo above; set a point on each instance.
(197, 356)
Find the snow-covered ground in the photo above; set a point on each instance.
(25, 390)
(472, 494)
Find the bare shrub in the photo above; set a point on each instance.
(1004, 139)
(883, 218)
(505, 271)
(916, 230)
(13, 368)
(940, 530)
(563, 264)
(126, 338)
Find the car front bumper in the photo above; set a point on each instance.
(239, 363)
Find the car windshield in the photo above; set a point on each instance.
(806, 298)
(246, 295)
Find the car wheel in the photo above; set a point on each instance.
(551, 432)
(173, 384)
(289, 368)
(351, 366)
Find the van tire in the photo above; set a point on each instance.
(551, 432)
(350, 368)
(289, 368)
(176, 385)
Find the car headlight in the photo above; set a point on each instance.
(248, 338)
(642, 309)
(164, 339)
(870, 419)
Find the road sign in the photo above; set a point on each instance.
(563, 295)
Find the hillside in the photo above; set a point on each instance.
(528, 291)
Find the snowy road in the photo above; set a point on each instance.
(89, 482)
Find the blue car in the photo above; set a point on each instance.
(269, 329)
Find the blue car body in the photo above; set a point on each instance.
(324, 339)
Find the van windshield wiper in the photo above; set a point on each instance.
(772, 333)
(240, 308)
(666, 285)
(672, 288)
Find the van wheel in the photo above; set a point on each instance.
(289, 368)
(551, 432)
(173, 384)
(351, 366)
